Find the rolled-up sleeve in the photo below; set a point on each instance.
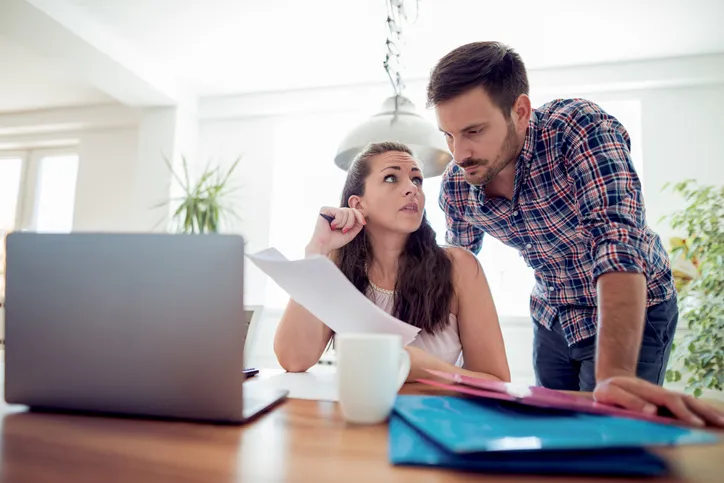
(453, 196)
(607, 191)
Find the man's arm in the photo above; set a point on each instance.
(621, 308)
(453, 194)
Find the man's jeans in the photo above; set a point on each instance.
(558, 366)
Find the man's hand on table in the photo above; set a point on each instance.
(640, 395)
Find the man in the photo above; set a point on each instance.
(558, 184)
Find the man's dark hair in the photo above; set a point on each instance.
(491, 65)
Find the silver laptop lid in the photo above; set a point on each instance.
(149, 324)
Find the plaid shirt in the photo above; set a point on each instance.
(577, 212)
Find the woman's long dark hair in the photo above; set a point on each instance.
(423, 287)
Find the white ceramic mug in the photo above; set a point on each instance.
(371, 368)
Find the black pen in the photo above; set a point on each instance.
(329, 218)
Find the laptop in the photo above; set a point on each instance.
(148, 325)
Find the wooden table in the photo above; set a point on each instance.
(300, 440)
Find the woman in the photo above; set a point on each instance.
(381, 240)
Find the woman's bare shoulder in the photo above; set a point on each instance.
(465, 262)
(466, 273)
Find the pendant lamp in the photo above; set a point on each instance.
(397, 119)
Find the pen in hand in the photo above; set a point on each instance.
(330, 219)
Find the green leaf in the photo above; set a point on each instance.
(700, 355)
(184, 163)
(185, 187)
(206, 201)
(231, 170)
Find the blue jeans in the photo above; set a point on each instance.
(558, 366)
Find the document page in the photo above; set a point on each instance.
(319, 286)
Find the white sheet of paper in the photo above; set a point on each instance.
(315, 385)
(319, 286)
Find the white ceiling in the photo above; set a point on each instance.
(30, 81)
(221, 47)
(226, 46)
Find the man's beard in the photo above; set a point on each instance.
(487, 170)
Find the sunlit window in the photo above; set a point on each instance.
(56, 193)
(10, 173)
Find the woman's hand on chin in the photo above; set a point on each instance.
(346, 224)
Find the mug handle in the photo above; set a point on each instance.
(404, 368)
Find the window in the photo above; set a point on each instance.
(37, 192)
(55, 199)
(10, 175)
(46, 199)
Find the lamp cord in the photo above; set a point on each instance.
(397, 17)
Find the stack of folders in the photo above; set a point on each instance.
(502, 428)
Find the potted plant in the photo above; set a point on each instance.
(204, 203)
(698, 267)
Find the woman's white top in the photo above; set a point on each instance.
(444, 345)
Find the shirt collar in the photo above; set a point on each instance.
(526, 154)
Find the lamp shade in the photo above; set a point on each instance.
(404, 126)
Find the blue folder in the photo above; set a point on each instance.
(499, 436)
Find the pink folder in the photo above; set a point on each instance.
(537, 396)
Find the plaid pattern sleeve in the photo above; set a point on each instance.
(608, 192)
(459, 232)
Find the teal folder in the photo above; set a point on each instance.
(501, 436)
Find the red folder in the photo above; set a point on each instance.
(537, 396)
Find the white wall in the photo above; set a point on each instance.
(105, 178)
(252, 139)
(682, 131)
